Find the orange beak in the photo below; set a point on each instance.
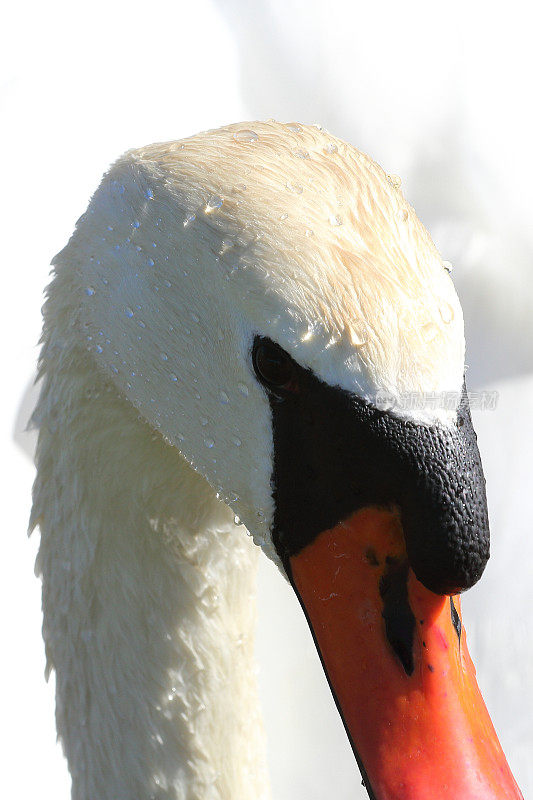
(396, 659)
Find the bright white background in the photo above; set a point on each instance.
(439, 93)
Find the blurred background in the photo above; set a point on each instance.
(439, 93)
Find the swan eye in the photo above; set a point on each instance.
(273, 366)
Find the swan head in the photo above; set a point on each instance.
(279, 233)
(270, 303)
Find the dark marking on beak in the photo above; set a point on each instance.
(456, 620)
(399, 618)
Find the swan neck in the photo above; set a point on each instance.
(148, 599)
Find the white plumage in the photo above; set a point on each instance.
(154, 433)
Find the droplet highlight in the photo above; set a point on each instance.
(446, 312)
(213, 203)
(245, 135)
(357, 335)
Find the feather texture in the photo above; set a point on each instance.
(148, 596)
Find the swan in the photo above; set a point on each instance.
(250, 331)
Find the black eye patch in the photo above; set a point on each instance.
(335, 453)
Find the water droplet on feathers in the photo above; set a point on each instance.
(446, 312)
(213, 203)
(245, 135)
(357, 335)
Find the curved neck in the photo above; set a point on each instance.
(148, 599)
